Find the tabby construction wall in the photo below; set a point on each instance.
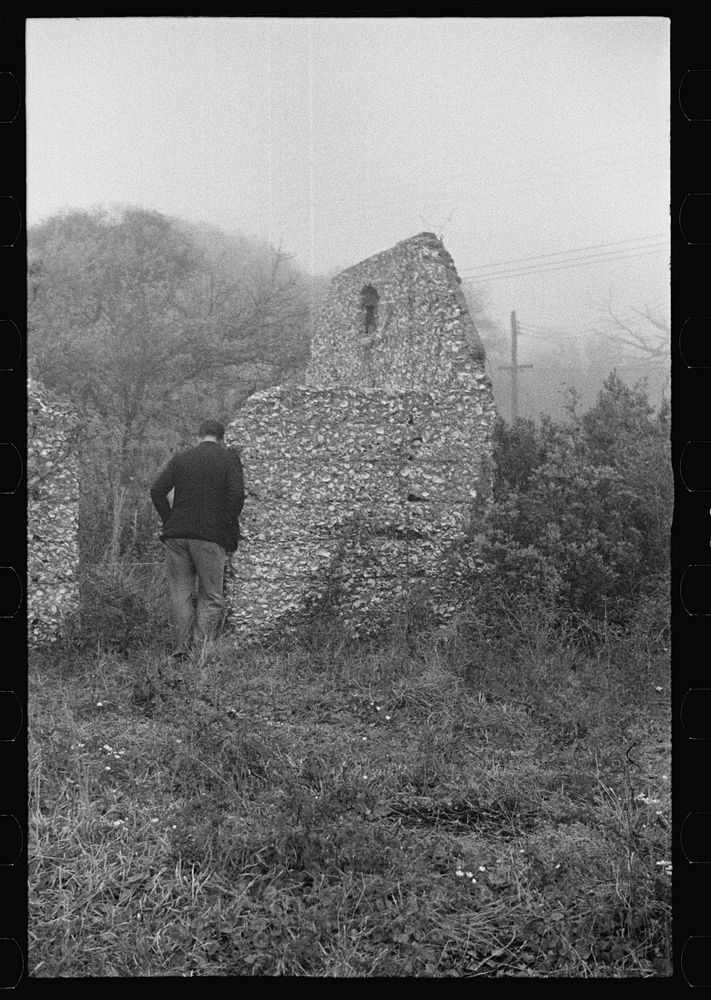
(52, 513)
(362, 481)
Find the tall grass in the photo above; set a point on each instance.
(434, 803)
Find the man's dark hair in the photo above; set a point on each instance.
(211, 428)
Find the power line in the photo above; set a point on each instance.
(538, 329)
(583, 262)
(595, 256)
(557, 253)
(557, 334)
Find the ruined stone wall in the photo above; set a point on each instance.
(360, 481)
(52, 513)
(423, 337)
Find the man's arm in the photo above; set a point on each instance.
(163, 484)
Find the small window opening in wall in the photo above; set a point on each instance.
(369, 303)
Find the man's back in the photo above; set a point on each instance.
(209, 494)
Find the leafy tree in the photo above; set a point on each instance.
(147, 324)
(125, 313)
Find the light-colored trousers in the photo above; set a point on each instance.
(186, 560)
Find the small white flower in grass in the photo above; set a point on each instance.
(473, 880)
(482, 868)
(154, 819)
(107, 748)
(387, 718)
(657, 687)
(107, 768)
(99, 704)
(173, 827)
(118, 822)
(459, 872)
(470, 874)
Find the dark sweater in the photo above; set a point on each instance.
(209, 494)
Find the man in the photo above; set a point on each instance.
(199, 530)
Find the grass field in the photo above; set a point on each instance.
(430, 805)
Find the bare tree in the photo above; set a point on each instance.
(647, 334)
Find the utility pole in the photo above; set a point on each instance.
(514, 367)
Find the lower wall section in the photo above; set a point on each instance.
(52, 515)
(354, 498)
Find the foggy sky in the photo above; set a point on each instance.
(336, 138)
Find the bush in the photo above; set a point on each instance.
(582, 510)
(519, 450)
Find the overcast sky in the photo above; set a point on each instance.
(541, 138)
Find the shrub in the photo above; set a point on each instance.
(519, 450)
(581, 515)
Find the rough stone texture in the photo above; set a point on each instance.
(52, 513)
(361, 482)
